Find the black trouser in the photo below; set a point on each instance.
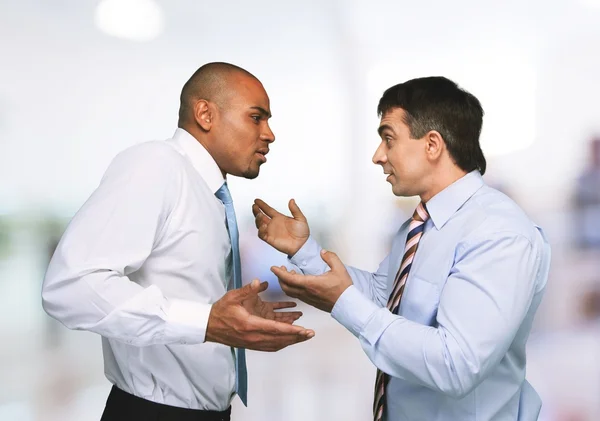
(121, 406)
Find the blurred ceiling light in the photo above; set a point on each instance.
(136, 20)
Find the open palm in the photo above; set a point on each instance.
(255, 306)
(286, 234)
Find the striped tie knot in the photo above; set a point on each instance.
(421, 214)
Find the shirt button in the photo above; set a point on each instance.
(304, 263)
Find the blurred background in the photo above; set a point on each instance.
(84, 79)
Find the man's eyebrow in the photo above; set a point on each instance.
(262, 111)
(384, 127)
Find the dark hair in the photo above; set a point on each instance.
(437, 103)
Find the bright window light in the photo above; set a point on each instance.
(503, 80)
(135, 20)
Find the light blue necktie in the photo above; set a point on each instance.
(241, 385)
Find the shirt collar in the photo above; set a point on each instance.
(201, 159)
(445, 204)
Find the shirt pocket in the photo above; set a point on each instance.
(420, 301)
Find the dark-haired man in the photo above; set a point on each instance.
(446, 317)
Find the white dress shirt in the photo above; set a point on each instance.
(456, 349)
(141, 264)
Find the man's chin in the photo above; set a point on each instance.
(251, 173)
(398, 191)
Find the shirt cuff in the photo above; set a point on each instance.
(308, 259)
(188, 320)
(353, 310)
(309, 250)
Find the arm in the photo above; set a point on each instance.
(482, 306)
(87, 285)
(291, 235)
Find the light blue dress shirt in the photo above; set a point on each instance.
(456, 349)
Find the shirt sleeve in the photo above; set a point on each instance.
(373, 285)
(86, 285)
(482, 306)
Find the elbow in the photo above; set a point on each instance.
(462, 375)
(457, 387)
(462, 369)
(56, 305)
(51, 305)
(68, 298)
(464, 382)
(48, 303)
(461, 391)
(52, 293)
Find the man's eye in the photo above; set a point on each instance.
(256, 118)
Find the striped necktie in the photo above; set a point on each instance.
(224, 196)
(415, 232)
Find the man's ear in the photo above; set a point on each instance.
(434, 145)
(203, 114)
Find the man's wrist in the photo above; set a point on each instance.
(295, 250)
(339, 293)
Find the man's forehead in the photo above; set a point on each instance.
(393, 117)
(393, 121)
(250, 94)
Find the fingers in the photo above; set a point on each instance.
(263, 285)
(290, 278)
(296, 212)
(273, 327)
(273, 335)
(250, 289)
(288, 316)
(332, 260)
(261, 221)
(260, 218)
(271, 344)
(256, 210)
(291, 282)
(283, 304)
(262, 232)
(266, 209)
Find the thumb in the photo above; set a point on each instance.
(246, 291)
(332, 260)
(296, 212)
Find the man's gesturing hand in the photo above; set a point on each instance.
(279, 231)
(320, 291)
(242, 320)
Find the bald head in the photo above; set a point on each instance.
(212, 82)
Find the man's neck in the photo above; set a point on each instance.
(203, 140)
(442, 179)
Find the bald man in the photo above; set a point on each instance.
(151, 261)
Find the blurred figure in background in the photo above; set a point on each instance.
(447, 315)
(590, 305)
(587, 200)
(151, 261)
